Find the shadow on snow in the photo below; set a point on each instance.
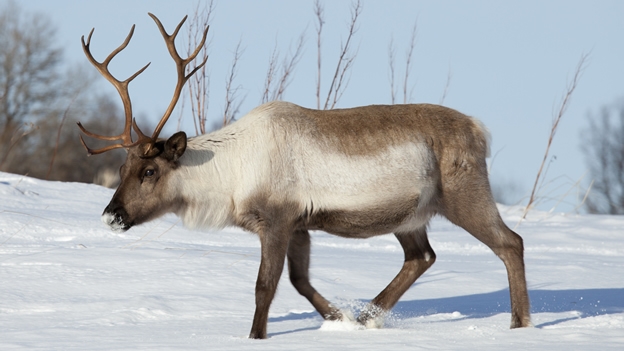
(587, 302)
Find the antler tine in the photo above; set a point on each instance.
(180, 66)
(122, 89)
(91, 152)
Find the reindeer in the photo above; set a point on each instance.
(283, 170)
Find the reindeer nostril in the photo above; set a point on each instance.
(116, 219)
(108, 218)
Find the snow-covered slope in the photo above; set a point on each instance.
(68, 283)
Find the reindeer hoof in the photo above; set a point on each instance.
(521, 323)
(372, 318)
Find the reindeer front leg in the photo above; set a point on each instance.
(274, 245)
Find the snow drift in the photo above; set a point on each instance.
(68, 283)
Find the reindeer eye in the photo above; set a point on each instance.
(149, 172)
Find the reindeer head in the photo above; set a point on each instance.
(142, 194)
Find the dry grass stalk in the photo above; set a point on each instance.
(553, 130)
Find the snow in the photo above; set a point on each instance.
(69, 283)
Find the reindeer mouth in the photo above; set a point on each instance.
(115, 222)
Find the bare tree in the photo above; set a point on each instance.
(391, 59)
(603, 145)
(279, 75)
(29, 79)
(270, 76)
(409, 53)
(39, 100)
(233, 99)
(71, 163)
(320, 20)
(407, 92)
(199, 84)
(274, 85)
(346, 57)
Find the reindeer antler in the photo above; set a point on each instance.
(122, 89)
(180, 68)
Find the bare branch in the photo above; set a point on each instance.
(232, 104)
(199, 86)
(446, 86)
(409, 53)
(338, 91)
(557, 118)
(345, 60)
(268, 82)
(58, 133)
(288, 67)
(29, 128)
(318, 11)
(407, 97)
(391, 51)
(276, 91)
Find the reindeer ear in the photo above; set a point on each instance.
(175, 146)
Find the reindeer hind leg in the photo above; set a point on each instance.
(473, 208)
(298, 268)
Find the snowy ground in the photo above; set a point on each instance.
(68, 283)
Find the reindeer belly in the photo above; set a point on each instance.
(369, 195)
(363, 223)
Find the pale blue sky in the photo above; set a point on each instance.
(510, 61)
